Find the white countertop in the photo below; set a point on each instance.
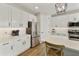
(8, 39)
(60, 40)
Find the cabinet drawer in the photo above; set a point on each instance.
(5, 49)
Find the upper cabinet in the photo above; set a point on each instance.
(60, 21)
(74, 17)
(20, 18)
(13, 17)
(16, 18)
(25, 19)
(4, 16)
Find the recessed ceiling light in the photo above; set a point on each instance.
(36, 7)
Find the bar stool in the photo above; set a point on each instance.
(54, 50)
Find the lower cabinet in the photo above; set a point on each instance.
(22, 44)
(5, 49)
(25, 44)
(70, 52)
(28, 42)
(18, 47)
(15, 47)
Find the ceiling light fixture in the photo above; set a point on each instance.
(60, 7)
(36, 7)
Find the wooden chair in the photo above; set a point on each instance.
(54, 50)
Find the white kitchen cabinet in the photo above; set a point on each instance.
(60, 24)
(24, 44)
(71, 52)
(53, 22)
(25, 19)
(74, 17)
(16, 18)
(60, 21)
(21, 44)
(30, 17)
(5, 49)
(18, 47)
(63, 21)
(28, 42)
(4, 16)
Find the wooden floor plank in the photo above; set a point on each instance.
(39, 50)
(36, 51)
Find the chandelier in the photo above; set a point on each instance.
(60, 7)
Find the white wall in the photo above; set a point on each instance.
(43, 23)
(72, 6)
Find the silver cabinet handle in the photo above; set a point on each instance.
(24, 42)
(5, 43)
(19, 40)
(11, 47)
(42, 32)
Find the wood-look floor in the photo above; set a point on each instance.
(36, 51)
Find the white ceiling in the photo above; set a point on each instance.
(45, 8)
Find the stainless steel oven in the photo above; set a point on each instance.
(73, 31)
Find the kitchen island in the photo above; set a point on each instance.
(71, 47)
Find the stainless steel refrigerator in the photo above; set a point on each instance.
(32, 30)
(35, 37)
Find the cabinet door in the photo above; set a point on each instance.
(5, 49)
(25, 42)
(52, 22)
(18, 47)
(4, 15)
(60, 21)
(74, 17)
(25, 19)
(60, 24)
(28, 42)
(70, 52)
(16, 18)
